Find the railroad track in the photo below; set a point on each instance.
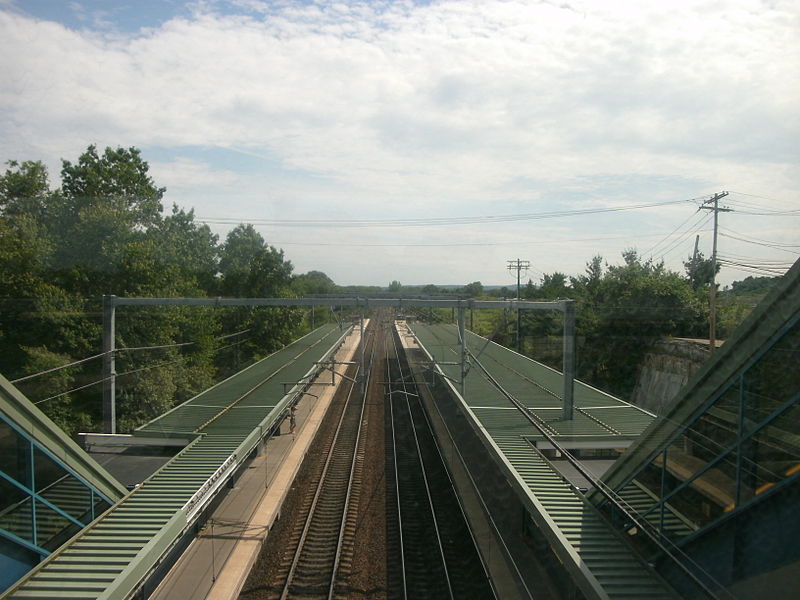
(323, 540)
(438, 556)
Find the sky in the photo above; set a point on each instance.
(432, 142)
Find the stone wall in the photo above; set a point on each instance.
(665, 370)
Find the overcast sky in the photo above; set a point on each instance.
(473, 118)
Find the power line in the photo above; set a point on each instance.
(686, 235)
(769, 271)
(670, 234)
(549, 242)
(763, 241)
(766, 245)
(134, 349)
(434, 221)
(172, 362)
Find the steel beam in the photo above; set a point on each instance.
(341, 301)
(109, 368)
(111, 302)
(569, 359)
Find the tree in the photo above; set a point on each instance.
(102, 233)
(23, 189)
(119, 177)
(634, 305)
(250, 268)
(554, 286)
(395, 286)
(473, 290)
(700, 270)
(430, 290)
(313, 283)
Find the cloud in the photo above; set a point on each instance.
(442, 106)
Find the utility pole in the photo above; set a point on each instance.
(519, 266)
(694, 260)
(713, 204)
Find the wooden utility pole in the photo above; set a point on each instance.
(713, 204)
(518, 266)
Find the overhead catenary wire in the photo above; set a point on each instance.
(164, 364)
(123, 349)
(147, 368)
(72, 364)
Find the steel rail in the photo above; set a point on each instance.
(437, 531)
(484, 507)
(309, 518)
(404, 379)
(322, 485)
(388, 398)
(348, 495)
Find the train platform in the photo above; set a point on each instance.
(216, 564)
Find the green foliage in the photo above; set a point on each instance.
(751, 286)
(62, 409)
(395, 286)
(632, 306)
(472, 290)
(621, 311)
(23, 188)
(313, 283)
(117, 177)
(700, 271)
(103, 232)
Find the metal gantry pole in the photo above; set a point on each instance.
(109, 368)
(462, 335)
(569, 359)
(363, 369)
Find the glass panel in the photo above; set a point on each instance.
(52, 529)
(47, 471)
(708, 495)
(771, 454)
(16, 516)
(717, 429)
(71, 496)
(10, 495)
(769, 383)
(17, 560)
(14, 454)
(640, 499)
